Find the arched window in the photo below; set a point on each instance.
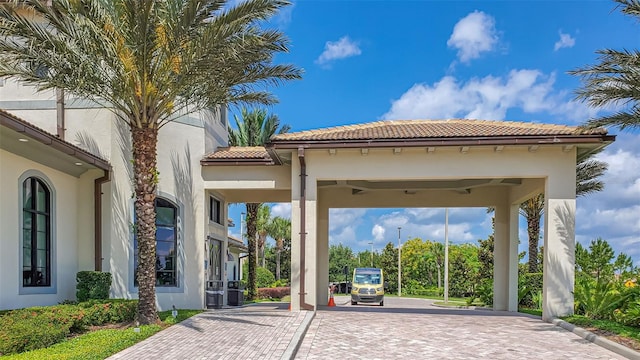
(166, 244)
(36, 233)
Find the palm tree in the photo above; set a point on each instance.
(264, 217)
(588, 173)
(255, 129)
(280, 229)
(148, 62)
(614, 81)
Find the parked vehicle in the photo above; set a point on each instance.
(367, 286)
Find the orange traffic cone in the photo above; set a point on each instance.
(289, 306)
(331, 301)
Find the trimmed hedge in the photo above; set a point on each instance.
(92, 285)
(273, 293)
(39, 327)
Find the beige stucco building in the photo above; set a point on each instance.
(76, 155)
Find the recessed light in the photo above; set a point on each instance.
(23, 140)
(79, 163)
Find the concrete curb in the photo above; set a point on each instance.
(598, 340)
(294, 345)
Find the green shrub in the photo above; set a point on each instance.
(92, 285)
(279, 283)
(38, 327)
(273, 293)
(264, 277)
(98, 312)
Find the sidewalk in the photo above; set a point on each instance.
(258, 331)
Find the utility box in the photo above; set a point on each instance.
(214, 292)
(236, 293)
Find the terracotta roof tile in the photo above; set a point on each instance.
(240, 153)
(420, 129)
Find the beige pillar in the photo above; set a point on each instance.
(322, 250)
(505, 258)
(303, 277)
(295, 235)
(559, 245)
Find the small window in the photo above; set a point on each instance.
(215, 210)
(36, 233)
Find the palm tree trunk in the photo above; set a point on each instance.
(252, 217)
(278, 264)
(533, 230)
(145, 141)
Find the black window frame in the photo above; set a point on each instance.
(161, 281)
(31, 276)
(215, 210)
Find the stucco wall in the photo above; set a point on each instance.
(181, 146)
(70, 243)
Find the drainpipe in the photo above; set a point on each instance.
(97, 220)
(303, 229)
(60, 113)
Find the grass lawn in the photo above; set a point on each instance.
(626, 335)
(101, 344)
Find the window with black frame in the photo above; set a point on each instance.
(36, 233)
(166, 244)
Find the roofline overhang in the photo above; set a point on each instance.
(438, 142)
(11, 122)
(237, 162)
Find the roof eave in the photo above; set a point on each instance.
(449, 141)
(237, 162)
(11, 122)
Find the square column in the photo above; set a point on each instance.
(505, 258)
(322, 252)
(559, 246)
(303, 241)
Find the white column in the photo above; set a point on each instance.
(322, 250)
(295, 235)
(559, 245)
(505, 257)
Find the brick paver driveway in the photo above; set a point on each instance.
(415, 329)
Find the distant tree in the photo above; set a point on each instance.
(614, 81)
(389, 265)
(339, 257)
(280, 230)
(596, 261)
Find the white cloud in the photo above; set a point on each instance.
(566, 41)
(281, 209)
(489, 97)
(339, 218)
(341, 49)
(378, 232)
(473, 35)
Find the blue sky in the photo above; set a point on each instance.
(498, 60)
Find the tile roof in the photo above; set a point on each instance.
(240, 153)
(421, 129)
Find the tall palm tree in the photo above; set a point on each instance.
(280, 229)
(264, 217)
(588, 173)
(255, 129)
(147, 61)
(614, 81)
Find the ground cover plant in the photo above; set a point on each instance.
(90, 337)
